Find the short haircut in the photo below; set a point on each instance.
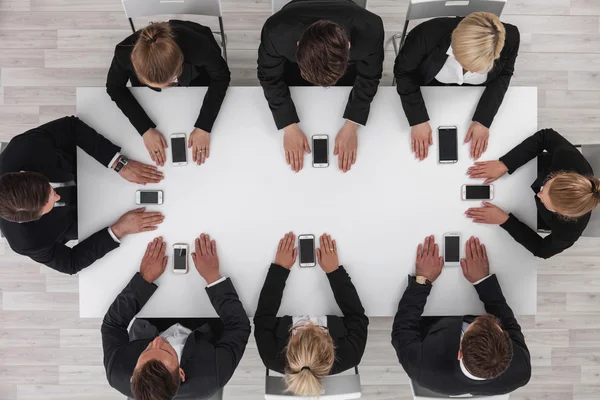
(477, 41)
(323, 53)
(154, 381)
(23, 195)
(486, 348)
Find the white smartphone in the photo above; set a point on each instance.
(180, 258)
(149, 197)
(477, 192)
(452, 249)
(447, 145)
(307, 250)
(320, 151)
(179, 149)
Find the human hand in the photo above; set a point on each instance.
(205, 259)
(491, 170)
(488, 214)
(295, 144)
(199, 142)
(429, 262)
(287, 252)
(136, 221)
(137, 172)
(421, 138)
(346, 144)
(154, 261)
(479, 134)
(327, 254)
(476, 265)
(155, 144)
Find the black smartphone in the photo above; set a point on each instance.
(178, 149)
(448, 144)
(307, 250)
(320, 151)
(477, 192)
(452, 249)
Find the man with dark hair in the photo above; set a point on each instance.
(166, 358)
(484, 355)
(38, 194)
(325, 43)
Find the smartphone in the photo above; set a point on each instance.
(448, 145)
(320, 150)
(149, 197)
(307, 250)
(452, 249)
(179, 149)
(180, 258)
(477, 192)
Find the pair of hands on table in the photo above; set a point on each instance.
(421, 137)
(156, 144)
(475, 265)
(488, 213)
(327, 254)
(295, 144)
(205, 259)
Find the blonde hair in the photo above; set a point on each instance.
(156, 58)
(310, 355)
(572, 194)
(477, 41)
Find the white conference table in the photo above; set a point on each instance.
(246, 197)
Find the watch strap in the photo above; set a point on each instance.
(421, 280)
(121, 163)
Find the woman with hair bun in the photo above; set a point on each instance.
(163, 54)
(308, 348)
(565, 194)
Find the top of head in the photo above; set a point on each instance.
(24, 196)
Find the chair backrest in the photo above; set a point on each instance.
(146, 8)
(2, 147)
(591, 152)
(420, 393)
(277, 5)
(336, 387)
(418, 9)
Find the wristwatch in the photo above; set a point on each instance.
(121, 163)
(421, 280)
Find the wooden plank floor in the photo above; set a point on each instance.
(49, 47)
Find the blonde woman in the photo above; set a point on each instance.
(163, 54)
(475, 50)
(305, 348)
(565, 194)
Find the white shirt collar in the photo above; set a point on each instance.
(176, 335)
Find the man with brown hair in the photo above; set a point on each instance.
(484, 355)
(325, 43)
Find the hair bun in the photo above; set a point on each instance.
(305, 367)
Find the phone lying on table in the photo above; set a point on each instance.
(452, 249)
(149, 197)
(180, 258)
(307, 250)
(179, 149)
(320, 151)
(477, 192)
(447, 144)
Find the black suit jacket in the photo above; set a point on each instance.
(423, 56)
(278, 45)
(272, 334)
(51, 151)
(208, 364)
(564, 157)
(430, 358)
(202, 56)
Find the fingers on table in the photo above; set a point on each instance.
(203, 245)
(419, 251)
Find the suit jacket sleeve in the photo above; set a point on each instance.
(406, 335)
(355, 320)
(533, 146)
(230, 347)
(114, 326)
(265, 319)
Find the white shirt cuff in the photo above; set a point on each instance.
(217, 282)
(114, 159)
(481, 280)
(112, 235)
(354, 122)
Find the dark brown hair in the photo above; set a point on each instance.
(154, 381)
(156, 58)
(487, 349)
(323, 53)
(23, 195)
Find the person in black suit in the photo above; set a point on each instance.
(163, 54)
(325, 43)
(475, 50)
(565, 193)
(38, 194)
(484, 355)
(307, 349)
(160, 359)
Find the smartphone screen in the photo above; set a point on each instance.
(477, 192)
(148, 197)
(180, 259)
(452, 249)
(320, 151)
(448, 144)
(307, 251)
(179, 149)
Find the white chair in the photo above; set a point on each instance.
(420, 393)
(277, 5)
(591, 152)
(335, 387)
(147, 8)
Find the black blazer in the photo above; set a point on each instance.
(272, 334)
(278, 45)
(202, 55)
(430, 357)
(50, 150)
(423, 56)
(208, 364)
(565, 157)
